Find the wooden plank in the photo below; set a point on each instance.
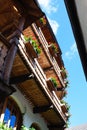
(42, 109)
(21, 78)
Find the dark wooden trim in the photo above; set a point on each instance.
(17, 33)
(21, 78)
(60, 89)
(5, 90)
(74, 19)
(60, 125)
(9, 62)
(42, 109)
(4, 40)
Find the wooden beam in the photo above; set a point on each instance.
(20, 78)
(9, 62)
(5, 90)
(60, 125)
(18, 31)
(60, 89)
(7, 27)
(32, 11)
(42, 108)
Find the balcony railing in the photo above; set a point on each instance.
(41, 77)
(46, 49)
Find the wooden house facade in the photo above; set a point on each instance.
(32, 73)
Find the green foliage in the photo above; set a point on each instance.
(64, 72)
(54, 47)
(43, 20)
(54, 82)
(25, 128)
(4, 127)
(34, 44)
(66, 104)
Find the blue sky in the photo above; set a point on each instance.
(77, 92)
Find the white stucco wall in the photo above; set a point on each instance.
(29, 117)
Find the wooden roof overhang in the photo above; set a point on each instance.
(78, 18)
(12, 11)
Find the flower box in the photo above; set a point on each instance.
(53, 49)
(32, 47)
(64, 108)
(30, 50)
(52, 85)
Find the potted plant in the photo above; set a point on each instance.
(53, 49)
(64, 73)
(52, 84)
(32, 47)
(66, 82)
(65, 107)
(43, 20)
(64, 93)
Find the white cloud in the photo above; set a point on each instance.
(49, 5)
(72, 51)
(54, 25)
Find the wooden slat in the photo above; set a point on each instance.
(33, 92)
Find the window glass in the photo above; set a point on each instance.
(12, 121)
(6, 115)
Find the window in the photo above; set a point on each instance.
(10, 113)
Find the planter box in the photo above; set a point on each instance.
(63, 107)
(50, 85)
(52, 52)
(30, 50)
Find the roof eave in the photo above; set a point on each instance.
(76, 27)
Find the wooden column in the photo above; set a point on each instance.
(12, 52)
(9, 61)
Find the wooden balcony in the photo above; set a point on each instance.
(45, 45)
(36, 89)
